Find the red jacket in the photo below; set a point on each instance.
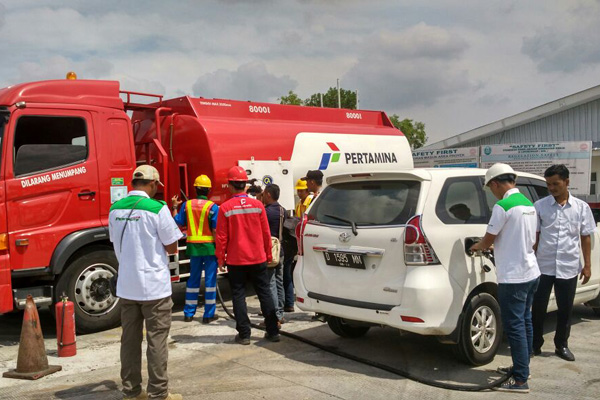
(243, 236)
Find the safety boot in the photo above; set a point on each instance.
(142, 396)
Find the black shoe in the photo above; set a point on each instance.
(241, 340)
(565, 353)
(537, 352)
(273, 338)
(288, 309)
(206, 320)
(187, 319)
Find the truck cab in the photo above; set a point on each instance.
(63, 154)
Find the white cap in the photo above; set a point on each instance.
(147, 172)
(498, 169)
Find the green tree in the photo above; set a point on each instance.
(413, 130)
(291, 99)
(330, 99)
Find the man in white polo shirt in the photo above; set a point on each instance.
(512, 230)
(564, 222)
(143, 233)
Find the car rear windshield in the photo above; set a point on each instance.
(367, 203)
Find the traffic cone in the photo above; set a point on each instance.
(32, 362)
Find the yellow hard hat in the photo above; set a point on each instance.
(301, 184)
(203, 181)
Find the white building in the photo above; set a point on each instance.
(572, 118)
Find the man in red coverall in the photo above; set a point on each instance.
(243, 247)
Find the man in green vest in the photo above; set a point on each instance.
(200, 217)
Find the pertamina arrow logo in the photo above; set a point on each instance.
(330, 157)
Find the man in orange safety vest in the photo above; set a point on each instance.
(200, 217)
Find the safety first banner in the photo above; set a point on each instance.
(537, 157)
(466, 157)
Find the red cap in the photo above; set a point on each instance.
(237, 174)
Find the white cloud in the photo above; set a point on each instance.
(414, 66)
(250, 81)
(568, 43)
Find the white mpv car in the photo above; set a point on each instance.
(388, 249)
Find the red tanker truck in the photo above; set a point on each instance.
(69, 147)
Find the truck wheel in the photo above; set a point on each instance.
(481, 331)
(86, 282)
(342, 328)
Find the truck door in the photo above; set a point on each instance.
(51, 182)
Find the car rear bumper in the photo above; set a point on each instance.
(426, 297)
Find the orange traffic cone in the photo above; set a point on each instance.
(32, 362)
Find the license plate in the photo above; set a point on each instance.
(347, 260)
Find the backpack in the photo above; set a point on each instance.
(276, 243)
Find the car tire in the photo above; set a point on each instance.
(481, 331)
(596, 311)
(85, 281)
(342, 328)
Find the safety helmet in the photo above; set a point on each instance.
(497, 170)
(203, 181)
(301, 184)
(237, 174)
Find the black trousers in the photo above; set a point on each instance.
(564, 291)
(238, 275)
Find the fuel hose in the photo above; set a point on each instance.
(375, 364)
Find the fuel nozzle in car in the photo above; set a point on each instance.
(489, 254)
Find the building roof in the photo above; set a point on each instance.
(536, 113)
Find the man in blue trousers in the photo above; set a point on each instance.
(200, 217)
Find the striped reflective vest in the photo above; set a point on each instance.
(198, 221)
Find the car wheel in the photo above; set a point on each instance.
(481, 330)
(343, 328)
(85, 281)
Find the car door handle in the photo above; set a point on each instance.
(84, 194)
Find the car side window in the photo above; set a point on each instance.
(460, 202)
(541, 190)
(46, 143)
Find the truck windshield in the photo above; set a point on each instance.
(367, 203)
(4, 114)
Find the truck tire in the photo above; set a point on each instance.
(86, 282)
(481, 331)
(342, 328)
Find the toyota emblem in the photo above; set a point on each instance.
(344, 237)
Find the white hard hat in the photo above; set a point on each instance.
(498, 169)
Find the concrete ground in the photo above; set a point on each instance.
(205, 363)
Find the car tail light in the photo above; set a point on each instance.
(406, 318)
(300, 232)
(300, 299)
(417, 250)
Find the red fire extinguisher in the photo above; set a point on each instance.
(65, 327)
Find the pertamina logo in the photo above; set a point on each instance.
(355, 158)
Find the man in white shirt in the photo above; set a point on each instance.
(143, 233)
(511, 230)
(564, 222)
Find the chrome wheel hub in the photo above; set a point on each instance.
(483, 329)
(92, 290)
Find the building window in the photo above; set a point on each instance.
(593, 184)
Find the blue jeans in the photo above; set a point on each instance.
(288, 282)
(276, 285)
(197, 265)
(515, 306)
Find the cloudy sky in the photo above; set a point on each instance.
(454, 65)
